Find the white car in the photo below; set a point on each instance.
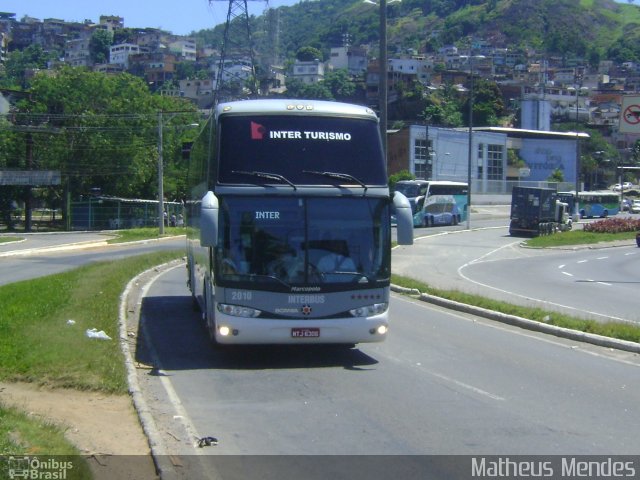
(635, 207)
(627, 185)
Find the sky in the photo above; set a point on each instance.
(179, 17)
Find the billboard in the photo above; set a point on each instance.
(29, 177)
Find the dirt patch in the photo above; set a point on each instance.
(101, 426)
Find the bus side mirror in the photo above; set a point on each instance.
(209, 220)
(404, 219)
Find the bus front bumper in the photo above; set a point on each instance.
(352, 330)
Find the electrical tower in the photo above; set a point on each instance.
(236, 74)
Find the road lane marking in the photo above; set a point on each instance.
(165, 380)
(579, 311)
(533, 335)
(466, 386)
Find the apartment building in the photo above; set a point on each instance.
(308, 72)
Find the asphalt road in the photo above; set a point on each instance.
(45, 254)
(442, 384)
(596, 283)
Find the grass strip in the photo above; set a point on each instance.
(137, 234)
(39, 344)
(8, 239)
(618, 330)
(577, 237)
(23, 435)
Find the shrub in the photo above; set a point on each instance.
(613, 225)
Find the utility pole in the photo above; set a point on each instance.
(231, 78)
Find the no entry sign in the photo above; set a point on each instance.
(630, 114)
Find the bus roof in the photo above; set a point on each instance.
(446, 182)
(295, 106)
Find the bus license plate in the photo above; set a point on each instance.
(305, 332)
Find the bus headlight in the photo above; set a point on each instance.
(369, 310)
(238, 311)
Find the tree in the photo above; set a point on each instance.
(401, 175)
(487, 103)
(103, 132)
(298, 89)
(556, 176)
(308, 54)
(340, 84)
(99, 45)
(20, 62)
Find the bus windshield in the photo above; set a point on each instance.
(283, 242)
(260, 148)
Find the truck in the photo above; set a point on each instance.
(538, 211)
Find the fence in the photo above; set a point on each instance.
(505, 187)
(110, 213)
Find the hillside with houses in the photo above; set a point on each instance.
(562, 65)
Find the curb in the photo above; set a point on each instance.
(67, 246)
(524, 323)
(131, 307)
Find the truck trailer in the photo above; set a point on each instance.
(537, 211)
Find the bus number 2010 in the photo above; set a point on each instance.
(240, 295)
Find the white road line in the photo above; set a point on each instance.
(174, 398)
(567, 274)
(466, 386)
(578, 311)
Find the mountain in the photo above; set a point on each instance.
(590, 29)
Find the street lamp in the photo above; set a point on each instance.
(382, 81)
(161, 168)
(578, 88)
(470, 152)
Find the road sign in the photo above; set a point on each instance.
(630, 114)
(29, 177)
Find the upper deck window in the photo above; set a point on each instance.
(290, 145)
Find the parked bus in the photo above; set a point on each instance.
(412, 189)
(444, 203)
(289, 231)
(598, 204)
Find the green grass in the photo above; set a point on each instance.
(21, 435)
(577, 237)
(36, 343)
(7, 239)
(136, 234)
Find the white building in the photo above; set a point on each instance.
(448, 157)
(411, 66)
(308, 72)
(184, 49)
(352, 59)
(121, 52)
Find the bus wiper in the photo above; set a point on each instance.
(267, 175)
(338, 175)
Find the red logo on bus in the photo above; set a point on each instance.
(257, 131)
